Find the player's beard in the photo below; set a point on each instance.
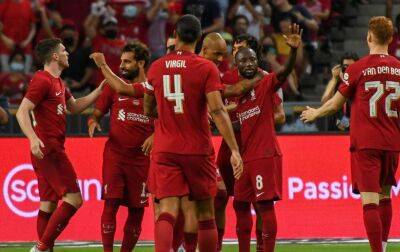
(248, 74)
(130, 75)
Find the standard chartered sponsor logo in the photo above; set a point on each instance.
(21, 194)
(249, 113)
(122, 116)
(322, 190)
(60, 109)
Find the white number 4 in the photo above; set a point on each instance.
(177, 96)
(380, 90)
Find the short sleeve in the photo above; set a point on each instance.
(68, 94)
(149, 84)
(38, 89)
(139, 89)
(349, 82)
(103, 103)
(271, 82)
(213, 81)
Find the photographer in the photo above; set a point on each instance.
(341, 120)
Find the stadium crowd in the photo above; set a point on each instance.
(87, 26)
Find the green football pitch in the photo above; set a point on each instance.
(230, 248)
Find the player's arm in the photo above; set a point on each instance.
(3, 116)
(119, 85)
(279, 114)
(329, 108)
(94, 121)
(25, 124)
(223, 122)
(242, 87)
(76, 106)
(294, 41)
(333, 82)
(150, 106)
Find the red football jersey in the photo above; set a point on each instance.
(256, 115)
(180, 82)
(49, 96)
(129, 128)
(372, 85)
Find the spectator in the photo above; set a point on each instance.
(17, 30)
(4, 114)
(76, 10)
(50, 21)
(14, 82)
(394, 47)
(79, 73)
(208, 12)
(107, 41)
(253, 12)
(319, 9)
(298, 14)
(136, 16)
(341, 119)
(240, 25)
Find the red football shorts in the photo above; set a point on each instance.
(176, 175)
(373, 169)
(125, 175)
(225, 168)
(55, 175)
(261, 180)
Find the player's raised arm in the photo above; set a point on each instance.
(118, 84)
(329, 108)
(76, 106)
(224, 125)
(294, 41)
(25, 123)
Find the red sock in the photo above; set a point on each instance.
(221, 232)
(260, 247)
(108, 223)
(178, 232)
(208, 236)
(42, 220)
(57, 223)
(373, 226)
(385, 211)
(220, 201)
(244, 224)
(164, 232)
(190, 243)
(267, 212)
(132, 229)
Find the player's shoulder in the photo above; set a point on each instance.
(41, 76)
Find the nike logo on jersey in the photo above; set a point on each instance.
(259, 194)
(143, 201)
(122, 99)
(58, 93)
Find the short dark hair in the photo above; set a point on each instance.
(46, 48)
(251, 42)
(237, 17)
(188, 29)
(140, 50)
(349, 55)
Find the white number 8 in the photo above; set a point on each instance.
(178, 96)
(259, 182)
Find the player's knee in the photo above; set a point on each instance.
(48, 206)
(170, 205)
(369, 198)
(205, 209)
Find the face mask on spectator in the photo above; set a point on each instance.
(68, 41)
(130, 11)
(17, 67)
(111, 33)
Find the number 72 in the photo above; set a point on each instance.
(380, 90)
